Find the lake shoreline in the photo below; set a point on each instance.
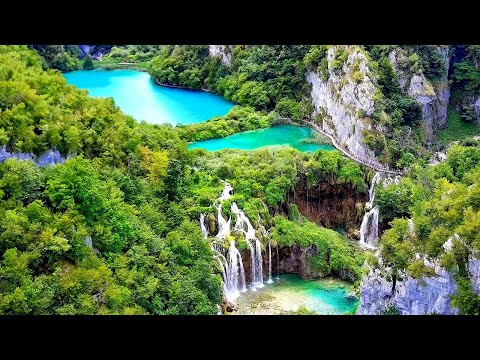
(180, 87)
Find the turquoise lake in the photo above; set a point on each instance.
(137, 94)
(276, 135)
(289, 292)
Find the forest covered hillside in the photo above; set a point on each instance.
(99, 212)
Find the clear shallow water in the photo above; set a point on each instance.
(325, 296)
(137, 95)
(250, 140)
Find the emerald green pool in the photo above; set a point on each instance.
(275, 135)
(289, 292)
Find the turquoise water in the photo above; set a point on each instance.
(137, 95)
(325, 297)
(276, 135)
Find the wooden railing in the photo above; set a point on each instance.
(367, 162)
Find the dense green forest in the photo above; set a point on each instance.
(444, 203)
(272, 79)
(114, 230)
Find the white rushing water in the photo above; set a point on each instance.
(255, 250)
(371, 191)
(265, 234)
(226, 193)
(369, 228)
(269, 281)
(223, 225)
(203, 227)
(230, 260)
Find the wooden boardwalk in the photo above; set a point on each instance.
(366, 162)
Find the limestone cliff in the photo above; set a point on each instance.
(328, 204)
(292, 260)
(343, 98)
(433, 97)
(409, 296)
(222, 51)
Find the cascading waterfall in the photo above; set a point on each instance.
(278, 265)
(258, 264)
(269, 281)
(223, 225)
(371, 191)
(255, 251)
(265, 234)
(369, 228)
(226, 193)
(231, 263)
(203, 227)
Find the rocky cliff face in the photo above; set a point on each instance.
(344, 99)
(428, 295)
(49, 157)
(432, 97)
(329, 205)
(222, 51)
(410, 297)
(290, 260)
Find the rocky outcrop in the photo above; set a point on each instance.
(222, 51)
(428, 295)
(476, 108)
(328, 205)
(344, 99)
(474, 272)
(294, 260)
(433, 98)
(50, 157)
(291, 260)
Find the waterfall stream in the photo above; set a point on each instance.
(269, 281)
(255, 250)
(203, 227)
(230, 260)
(369, 228)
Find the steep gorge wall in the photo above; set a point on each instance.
(291, 260)
(428, 295)
(344, 99)
(433, 97)
(329, 204)
(222, 51)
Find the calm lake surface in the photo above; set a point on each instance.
(137, 94)
(276, 135)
